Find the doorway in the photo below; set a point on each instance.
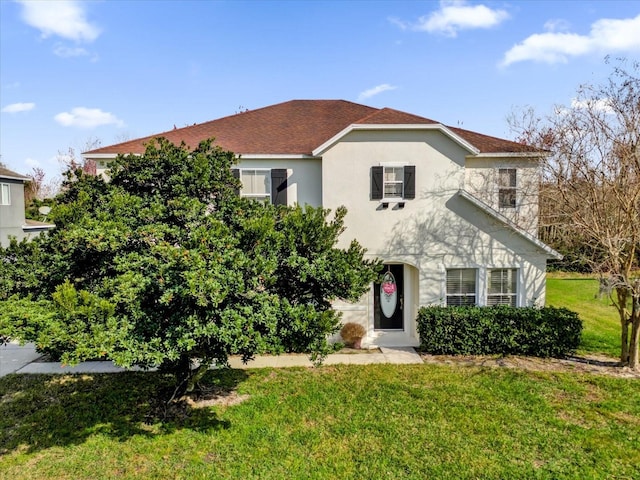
(388, 299)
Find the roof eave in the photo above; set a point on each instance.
(503, 219)
(535, 154)
(275, 156)
(9, 177)
(43, 227)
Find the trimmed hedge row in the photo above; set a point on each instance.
(537, 332)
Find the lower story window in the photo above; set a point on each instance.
(461, 286)
(256, 184)
(502, 287)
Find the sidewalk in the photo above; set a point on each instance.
(17, 359)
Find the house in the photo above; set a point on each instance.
(451, 212)
(12, 219)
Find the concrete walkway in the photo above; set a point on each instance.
(17, 359)
(13, 357)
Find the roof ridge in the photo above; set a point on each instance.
(298, 127)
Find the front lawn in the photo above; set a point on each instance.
(601, 333)
(346, 422)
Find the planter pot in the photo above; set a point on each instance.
(357, 343)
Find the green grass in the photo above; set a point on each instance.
(345, 422)
(601, 333)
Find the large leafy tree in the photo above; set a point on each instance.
(590, 195)
(165, 265)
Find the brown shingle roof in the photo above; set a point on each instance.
(6, 173)
(296, 127)
(487, 144)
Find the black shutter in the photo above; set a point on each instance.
(376, 183)
(410, 181)
(279, 186)
(236, 175)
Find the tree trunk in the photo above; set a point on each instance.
(634, 361)
(634, 343)
(621, 294)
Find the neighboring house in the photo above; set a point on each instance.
(452, 213)
(12, 221)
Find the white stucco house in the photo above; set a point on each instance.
(452, 213)
(12, 209)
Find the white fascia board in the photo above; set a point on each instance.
(275, 156)
(100, 156)
(44, 226)
(498, 216)
(510, 155)
(409, 126)
(11, 177)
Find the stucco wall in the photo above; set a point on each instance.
(433, 232)
(304, 182)
(481, 180)
(12, 216)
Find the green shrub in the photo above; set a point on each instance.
(538, 332)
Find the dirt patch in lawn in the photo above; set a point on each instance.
(580, 364)
(215, 397)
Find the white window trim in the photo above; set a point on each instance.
(516, 294)
(5, 187)
(399, 199)
(256, 195)
(477, 282)
(514, 188)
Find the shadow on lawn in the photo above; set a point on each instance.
(42, 411)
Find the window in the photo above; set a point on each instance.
(393, 182)
(461, 286)
(5, 194)
(256, 184)
(507, 187)
(502, 287)
(263, 184)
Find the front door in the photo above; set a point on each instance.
(388, 299)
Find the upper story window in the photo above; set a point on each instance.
(502, 287)
(393, 182)
(461, 286)
(507, 187)
(5, 194)
(256, 184)
(263, 184)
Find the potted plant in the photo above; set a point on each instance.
(352, 334)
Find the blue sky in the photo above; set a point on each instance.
(114, 70)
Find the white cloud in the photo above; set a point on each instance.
(19, 107)
(87, 118)
(597, 104)
(375, 91)
(31, 162)
(606, 36)
(456, 15)
(66, 52)
(556, 25)
(399, 23)
(64, 18)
